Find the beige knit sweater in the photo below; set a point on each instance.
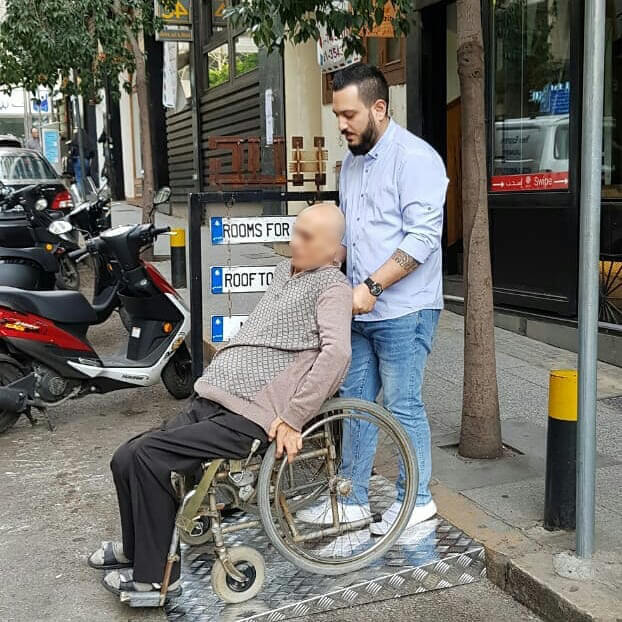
(291, 354)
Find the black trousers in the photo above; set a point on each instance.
(142, 467)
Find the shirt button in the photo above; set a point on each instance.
(358, 218)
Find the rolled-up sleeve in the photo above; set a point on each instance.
(334, 318)
(422, 184)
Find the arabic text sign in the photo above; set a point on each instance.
(179, 12)
(237, 279)
(529, 182)
(226, 327)
(253, 229)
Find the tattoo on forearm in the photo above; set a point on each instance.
(407, 263)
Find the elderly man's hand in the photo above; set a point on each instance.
(362, 300)
(286, 438)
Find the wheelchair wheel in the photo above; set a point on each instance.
(342, 487)
(251, 564)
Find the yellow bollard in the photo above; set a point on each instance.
(561, 451)
(178, 257)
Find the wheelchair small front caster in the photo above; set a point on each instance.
(247, 561)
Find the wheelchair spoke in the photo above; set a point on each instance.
(352, 464)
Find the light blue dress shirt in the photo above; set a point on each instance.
(393, 197)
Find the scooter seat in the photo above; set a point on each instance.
(59, 306)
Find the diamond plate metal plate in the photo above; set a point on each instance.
(431, 556)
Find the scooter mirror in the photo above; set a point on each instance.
(58, 227)
(162, 195)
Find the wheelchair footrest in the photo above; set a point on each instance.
(141, 599)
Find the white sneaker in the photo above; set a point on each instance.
(420, 513)
(322, 513)
(346, 545)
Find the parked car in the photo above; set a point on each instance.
(8, 140)
(23, 167)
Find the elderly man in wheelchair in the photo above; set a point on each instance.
(270, 383)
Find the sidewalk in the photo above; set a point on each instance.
(500, 502)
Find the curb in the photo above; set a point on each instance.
(523, 567)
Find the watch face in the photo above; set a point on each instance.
(376, 289)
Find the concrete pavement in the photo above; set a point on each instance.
(501, 502)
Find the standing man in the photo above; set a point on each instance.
(34, 142)
(392, 190)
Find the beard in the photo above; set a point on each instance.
(369, 137)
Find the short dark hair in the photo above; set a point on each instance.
(371, 83)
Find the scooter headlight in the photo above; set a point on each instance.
(41, 204)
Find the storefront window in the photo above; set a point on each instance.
(531, 95)
(246, 54)
(612, 121)
(218, 65)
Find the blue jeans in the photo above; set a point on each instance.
(389, 354)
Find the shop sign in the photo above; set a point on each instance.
(331, 55)
(51, 146)
(385, 29)
(529, 182)
(251, 230)
(177, 19)
(225, 328)
(179, 12)
(238, 279)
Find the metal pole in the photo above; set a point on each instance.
(40, 125)
(78, 123)
(589, 247)
(196, 87)
(195, 218)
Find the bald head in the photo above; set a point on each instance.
(317, 236)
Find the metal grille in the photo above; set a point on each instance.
(433, 555)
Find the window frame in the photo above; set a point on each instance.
(213, 40)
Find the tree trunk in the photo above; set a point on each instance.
(142, 94)
(480, 435)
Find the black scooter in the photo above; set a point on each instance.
(33, 256)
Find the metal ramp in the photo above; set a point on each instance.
(433, 555)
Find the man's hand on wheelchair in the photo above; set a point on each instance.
(286, 437)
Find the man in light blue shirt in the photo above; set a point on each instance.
(392, 190)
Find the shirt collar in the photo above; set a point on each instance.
(384, 141)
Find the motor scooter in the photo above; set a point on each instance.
(45, 355)
(31, 255)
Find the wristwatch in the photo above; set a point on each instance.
(375, 289)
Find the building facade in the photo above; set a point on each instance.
(534, 59)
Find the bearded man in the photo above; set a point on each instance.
(392, 189)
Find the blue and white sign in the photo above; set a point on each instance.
(253, 229)
(226, 327)
(51, 145)
(232, 279)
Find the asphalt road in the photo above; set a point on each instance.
(58, 503)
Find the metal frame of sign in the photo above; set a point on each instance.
(197, 201)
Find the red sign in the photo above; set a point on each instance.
(529, 181)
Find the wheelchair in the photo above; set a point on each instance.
(324, 477)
